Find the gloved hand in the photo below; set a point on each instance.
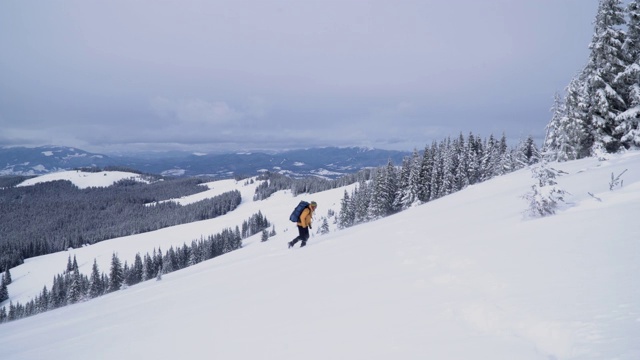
(310, 227)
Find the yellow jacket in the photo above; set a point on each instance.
(305, 217)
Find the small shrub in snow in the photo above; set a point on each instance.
(545, 195)
(615, 181)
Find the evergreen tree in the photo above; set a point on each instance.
(7, 277)
(504, 163)
(265, 236)
(96, 286)
(75, 293)
(69, 264)
(195, 255)
(384, 191)
(527, 152)
(3, 315)
(148, 268)
(545, 195)
(158, 261)
(463, 164)
(413, 192)
(324, 228)
(4, 292)
(346, 217)
(629, 120)
(448, 169)
(137, 270)
(566, 137)
(116, 275)
(58, 293)
(551, 141)
(603, 87)
(402, 193)
(169, 261)
(425, 174)
(362, 205)
(435, 183)
(43, 300)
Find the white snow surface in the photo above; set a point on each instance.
(463, 277)
(83, 179)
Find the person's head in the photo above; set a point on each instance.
(313, 205)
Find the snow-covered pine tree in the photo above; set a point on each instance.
(550, 145)
(604, 88)
(169, 261)
(58, 293)
(462, 173)
(149, 271)
(449, 168)
(435, 183)
(264, 236)
(324, 228)
(42, 304)
(346, 216)
(545, 195)
(426, 172)
(75, 293)
(504, 162)
(158, 261)
(629, 120)
(566, 133)
(527, 152)
(195, 256)
(412, 195)
(491, 158)
(474, 154)
(385, 191)
(403, 184)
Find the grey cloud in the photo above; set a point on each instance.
(268, 74)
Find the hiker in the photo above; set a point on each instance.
(304, 224)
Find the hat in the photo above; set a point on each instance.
(314, 204)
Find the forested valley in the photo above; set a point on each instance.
(54, 216)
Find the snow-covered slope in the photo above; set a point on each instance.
(83, 179)
(463, 277)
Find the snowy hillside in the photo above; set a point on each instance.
(463, 277)
(83, 179)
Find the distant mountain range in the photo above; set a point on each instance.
(329, 162)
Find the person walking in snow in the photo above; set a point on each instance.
(304, 224)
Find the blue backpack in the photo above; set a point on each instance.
(295, 215)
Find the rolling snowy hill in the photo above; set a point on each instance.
(83, 179)
(467, 276)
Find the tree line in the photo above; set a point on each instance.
(443, 168)
(54, 216)
(71, 286)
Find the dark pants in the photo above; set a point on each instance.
(303, 236)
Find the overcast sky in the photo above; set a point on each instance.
(280, 74)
